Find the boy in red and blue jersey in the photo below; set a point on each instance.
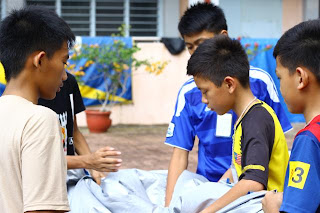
(298, 67)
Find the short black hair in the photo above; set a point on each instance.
(200, 17)
(300, 46)
(30, 29)
(219, 57)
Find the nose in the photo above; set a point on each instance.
(64, 75)
(204, 100)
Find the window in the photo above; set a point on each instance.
(103, 17)
(51, 4)
(77, 15)
(143, 17)
(109, 16)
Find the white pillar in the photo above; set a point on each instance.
(192, 2)
(13, 4)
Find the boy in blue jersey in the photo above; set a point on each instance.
(298, 67)
(220, 69)
(192, 118)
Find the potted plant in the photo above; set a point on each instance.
(109, 64)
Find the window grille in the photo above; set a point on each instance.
(103, 17)
(143, 17)
(51, 4)
(109, 16)
(77, 15)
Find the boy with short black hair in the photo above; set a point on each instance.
(297, 55)
(193, 119)
(34, 48)
(220, 69)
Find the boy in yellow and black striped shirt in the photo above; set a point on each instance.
(220, 69)
(260, 151)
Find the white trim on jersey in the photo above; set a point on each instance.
(253, 73)
(177, 146)
(266, 78)
(181, 98)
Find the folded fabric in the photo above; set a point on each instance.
(134, 190)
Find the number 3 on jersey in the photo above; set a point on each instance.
(298, 174)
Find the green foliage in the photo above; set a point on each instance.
(113, 61)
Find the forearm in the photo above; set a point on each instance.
(80, 143)
(77, 162)
(103, 160)
(240, 189)
(178, 163)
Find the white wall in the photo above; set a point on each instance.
(154, 97)
(253, 18)
(171, 18)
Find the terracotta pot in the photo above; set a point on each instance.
(97, 121)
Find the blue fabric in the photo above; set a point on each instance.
(191, 118)
(306, 149)
(263, 60)
(92, 72)
(266, 61)
(2, 87)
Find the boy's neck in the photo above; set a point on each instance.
(22, 86)
(310, 102)
(312, 109)
(244, 100)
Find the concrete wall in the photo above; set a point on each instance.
(253, 18)
(154, 97)
(292, 11)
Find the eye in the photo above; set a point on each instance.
(189, 47)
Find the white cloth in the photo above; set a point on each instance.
(136, 191)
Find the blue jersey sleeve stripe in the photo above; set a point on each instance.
(268, 74)
(175, 146)
(181, 97)
(268, 81)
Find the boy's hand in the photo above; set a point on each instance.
(103, 160)
(97, 176)
(272, 201)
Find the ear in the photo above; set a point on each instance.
(302, 77)
(37, 58)
(224, 32)
(230, 84)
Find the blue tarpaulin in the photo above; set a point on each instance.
(263, 60)
(266, 61)
(94, 88)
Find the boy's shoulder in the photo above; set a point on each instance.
(260, 116)
(24, 107)
(312, 129)
(258, 113)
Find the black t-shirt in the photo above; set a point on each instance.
(67, 102)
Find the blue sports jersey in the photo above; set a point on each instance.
(2, 87)
(302, 182)
(192, 118)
